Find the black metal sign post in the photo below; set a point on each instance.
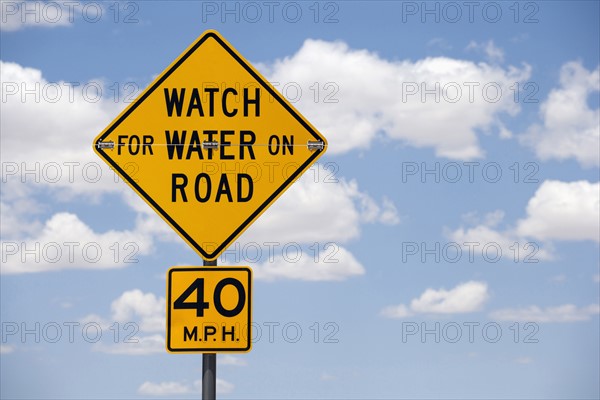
(209, 364)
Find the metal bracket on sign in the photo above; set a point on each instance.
(105, 145)
(315, 145)
(210, 144)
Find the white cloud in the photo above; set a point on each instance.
(314, 210)
(596, 278)
(389, 214)
(11, 223)
(66, 242)
(375, 96)
(139, 345)
(494, 54)
(440, 43)
(569, 128)
(146, 308)
(224, 387)
(148, 221)
(563, 313)
(173, 388)
(486, 241)
(563, 211)
(163, 389)
(228, 359)
(46, 155)
(37, 136)
(557, 211)
(137, 314)
(464, 298)
(16, 15)
(339, 264)
(95, 319)
(6, 349)
(397, 311)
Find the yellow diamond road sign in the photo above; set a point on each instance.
(210, 145)
(209, 309)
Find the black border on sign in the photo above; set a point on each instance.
(209, 350)
(267, 203)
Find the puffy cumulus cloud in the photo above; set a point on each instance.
(563, 313)
(563, 211)
(222, 386)
(338, 264)
(494, 54)
(228, 359)
(147, 220)
(163, 389)
(173, 388)
(570, 128)
(557, 211)
(371, 95)
(16, 15)
(134, 346)
(485, 239)
(139, 306)
(316, 210)
(47, 132)
(464, 298)
(48, 129)
(11, 223)
(389, 213)
(66, 242)
(396, 311)
(138, 314)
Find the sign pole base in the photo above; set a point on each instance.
(209, 364)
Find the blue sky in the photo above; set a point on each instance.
(445, 246)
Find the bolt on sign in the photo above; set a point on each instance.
(209, 309)
(210, 145)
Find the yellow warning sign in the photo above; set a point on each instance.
(209, 310)
(210, 145)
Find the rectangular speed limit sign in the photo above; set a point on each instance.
(209, 309)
